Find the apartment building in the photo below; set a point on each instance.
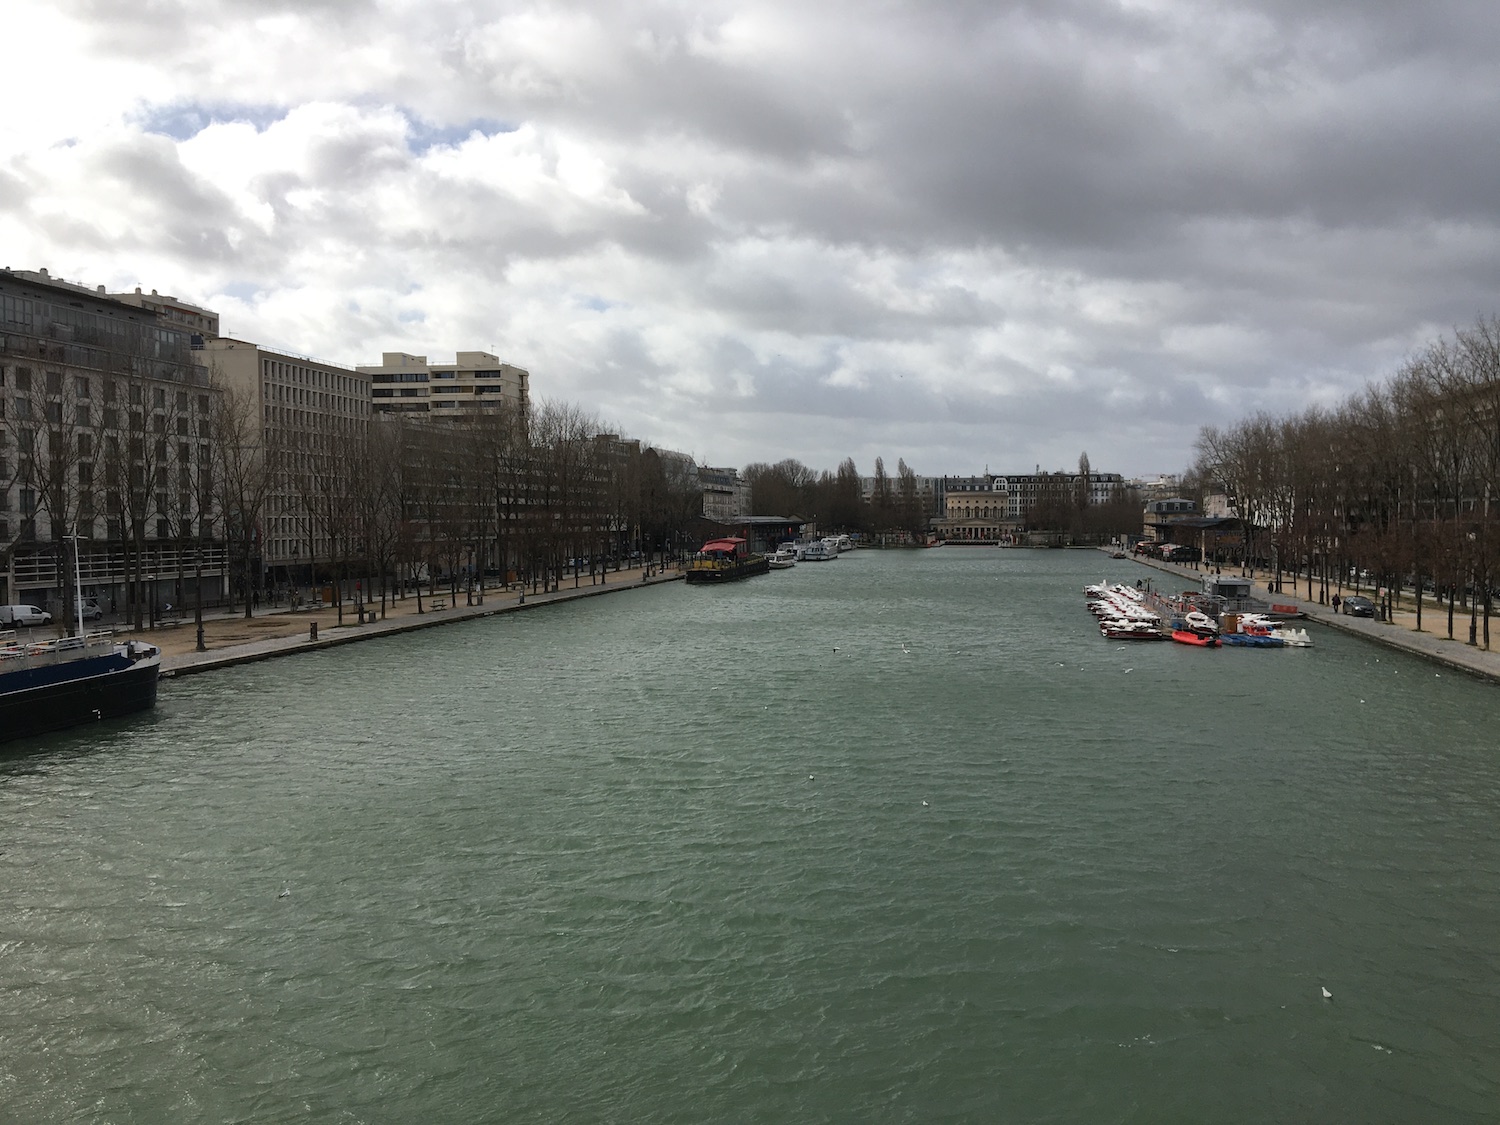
(408, 384)
(725, 496)
(104, 432)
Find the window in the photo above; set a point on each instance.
(85, 474)
(182, 425)
(161, 529)
(23, 378)
(54, 382)
(159, 399)
(80, 386)
(135, 394)
(202, 404)
(182, 400)
(85, 446)
(23, 408)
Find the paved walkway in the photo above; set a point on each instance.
(278, 631)
(1400, 632)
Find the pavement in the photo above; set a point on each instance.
(230, 638)
(1431, 643)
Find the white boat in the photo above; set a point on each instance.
(844, 543)
(818, 551)
(1200, 622)
(1292, 638)
(784, 558)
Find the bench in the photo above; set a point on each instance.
(440, 604)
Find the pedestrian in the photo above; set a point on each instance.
(1336, 603)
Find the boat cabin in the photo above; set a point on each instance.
(1226, 586)
(724, 550)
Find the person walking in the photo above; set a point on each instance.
(1336, 603)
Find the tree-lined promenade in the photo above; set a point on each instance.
(1391, 489)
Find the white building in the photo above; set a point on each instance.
(404, 383)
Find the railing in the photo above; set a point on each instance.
(109, 566)
(16, 655)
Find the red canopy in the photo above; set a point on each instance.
(730, 545)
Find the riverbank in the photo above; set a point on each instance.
(1399, 633)
(280, 631)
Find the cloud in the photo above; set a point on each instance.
(963, 234)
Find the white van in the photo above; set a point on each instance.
(23, 616)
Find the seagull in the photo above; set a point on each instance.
(924, 804)
(286, 891)
(809, 777)
(904, 648)
(1326, 994)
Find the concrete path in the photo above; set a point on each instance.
(293, 629)
(1432, 642)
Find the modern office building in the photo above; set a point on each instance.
(313, 416)
(105, 432)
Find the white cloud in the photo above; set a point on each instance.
(961, 234)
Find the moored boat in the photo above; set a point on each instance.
(1194, 637)
(55, 684)
(724, 560)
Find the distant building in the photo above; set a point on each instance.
(201, 324)
(725, 496)
(994, 507)
(975, 510)
(408, 384)
(1161, 515)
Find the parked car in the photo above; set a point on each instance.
(1356, 606)
(91, 610)
(23, 616)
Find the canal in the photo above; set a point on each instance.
(892, 838)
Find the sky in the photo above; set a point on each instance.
(971, 235)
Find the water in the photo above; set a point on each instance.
(896, 839)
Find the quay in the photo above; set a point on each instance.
(233, 639)
(1398, 633)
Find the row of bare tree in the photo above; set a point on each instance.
(500, 496)
(1394, 483)
(836, 500)
(181, 468)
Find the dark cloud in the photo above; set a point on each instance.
(978, 231)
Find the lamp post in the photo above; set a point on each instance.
(151, 610)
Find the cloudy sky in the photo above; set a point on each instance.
(967, 233)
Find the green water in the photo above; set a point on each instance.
(896, 838)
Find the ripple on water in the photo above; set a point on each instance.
(668, 856)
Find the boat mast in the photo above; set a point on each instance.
(77, 583)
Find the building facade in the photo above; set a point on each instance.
(313, 417)
(408, 384)
(106, 433)
(725, 496)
